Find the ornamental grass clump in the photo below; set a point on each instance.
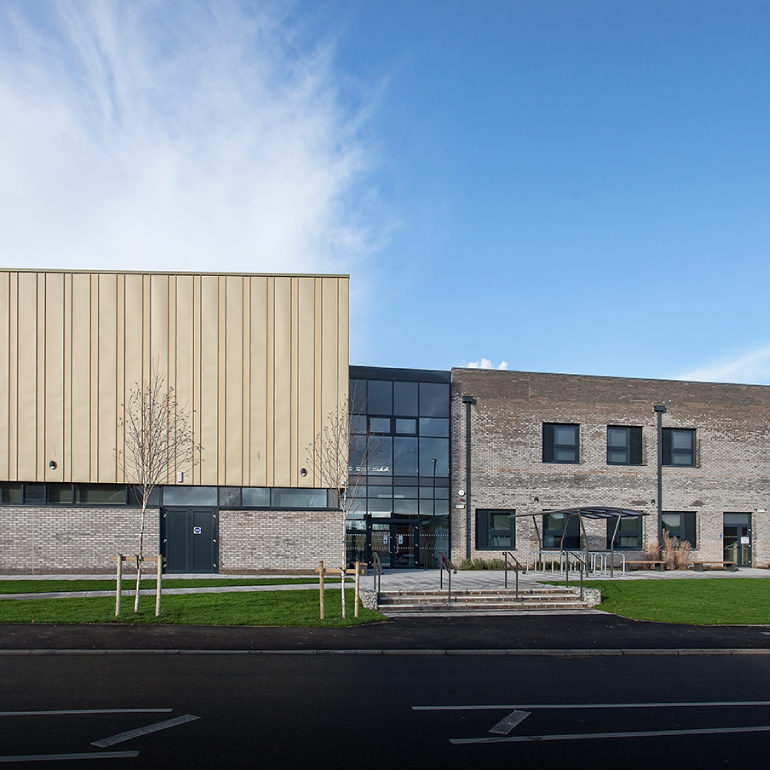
(682, 555)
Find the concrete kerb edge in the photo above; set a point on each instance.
(567, 653)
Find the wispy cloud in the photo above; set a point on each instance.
(485, 363)
(181, 135)
(751, 368)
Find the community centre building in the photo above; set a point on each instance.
(468, 463)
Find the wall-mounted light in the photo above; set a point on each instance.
(537, 499)
(52, 464)
(303, 472)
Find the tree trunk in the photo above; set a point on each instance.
(139, 558)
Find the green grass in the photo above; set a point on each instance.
(259, 608)
(714, 601)
(55, 586)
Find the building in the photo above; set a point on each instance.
(467, 463)
(525, 443)
(260, 361)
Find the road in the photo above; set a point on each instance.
(464, 711)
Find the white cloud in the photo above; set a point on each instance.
(485, 363)
(752, 368)
(176, 135)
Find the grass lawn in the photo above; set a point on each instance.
(715, 601)
(33, 586)
(260, 608)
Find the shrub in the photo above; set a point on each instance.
(682, 555)
(668, 552)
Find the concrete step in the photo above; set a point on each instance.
(480, 601)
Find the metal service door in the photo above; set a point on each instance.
(189, 539)
(736, 534)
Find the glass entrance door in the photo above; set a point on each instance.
(395, 542)
(736, 538)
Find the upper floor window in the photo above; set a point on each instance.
(624, 445)
(561, 443)
(678, 446)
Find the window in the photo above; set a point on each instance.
(379, 397)
(434, 399)
(558, 535)
(434, 449)
(299, 498)
(681, 525)
(255, 497)
(629, 533)
(495, 530)
(561, 443)
(678, 446)
(624, 445)
(405, 398)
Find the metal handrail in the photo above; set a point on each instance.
(446, 564)
(583, 565)
(516, 567)
(377, 576)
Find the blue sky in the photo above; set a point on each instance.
(549, 186)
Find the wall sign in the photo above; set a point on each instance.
(196, 530)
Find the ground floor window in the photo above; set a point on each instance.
(561, 532)
(495, 529)
(681, 525)
(629, 533)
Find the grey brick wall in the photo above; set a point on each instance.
(48, 539)
(252, 541)
(53, 539)
(732, 472)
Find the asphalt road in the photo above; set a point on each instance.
(295, 711)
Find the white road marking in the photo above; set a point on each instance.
(120, 737)
(510, 706)
(63, 757)
(505, 725)
(81, 711)
(601, 736)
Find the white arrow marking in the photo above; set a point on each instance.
(504, 726)
(120, 737)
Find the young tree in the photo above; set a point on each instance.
(340, 464)
(158, 441)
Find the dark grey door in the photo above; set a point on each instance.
(736, 536)
(189, 539)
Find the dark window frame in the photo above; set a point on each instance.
(670, 452)
(551, 447)
(612, 522)
(633, 445)
(687, 528)
(486, 532)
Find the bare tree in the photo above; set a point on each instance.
(340, 464)
(158, 441)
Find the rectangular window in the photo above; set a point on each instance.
(101, 494)
(678, 446)
(681, 525)
(434, 426)
(299, 498)
(560, 532)
(379, 397)
(10, 493)
(495, 530)
(561, 443)
(61, 494)
(405, 398)
(379, 425)
(255, 497)
(629, 533)
(358, 423)
(190, 496)
(624, 445)
(406, 426)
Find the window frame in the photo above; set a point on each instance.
(485, 532)
(688, 525)
(669, 451)
(611, 523)
(550, 446)
(633, 445)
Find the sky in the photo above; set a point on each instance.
(558, 186)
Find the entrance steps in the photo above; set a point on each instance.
(482, 601)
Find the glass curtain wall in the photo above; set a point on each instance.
(399, 445)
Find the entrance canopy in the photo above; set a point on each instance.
(588, 512)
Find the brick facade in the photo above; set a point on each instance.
(82, 540)
(71, 540)
(731, 472)
(251, 541)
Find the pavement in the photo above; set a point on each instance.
(592, 633)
